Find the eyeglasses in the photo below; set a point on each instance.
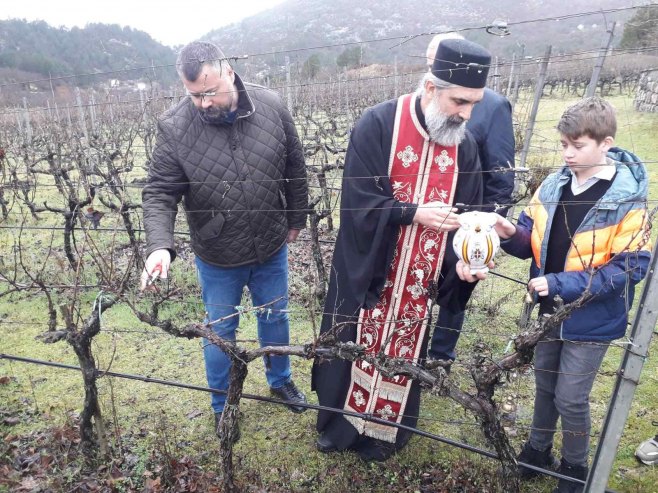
(207, 94)
(201, 95)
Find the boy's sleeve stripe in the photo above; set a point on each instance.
(537, 217)
(632, 232)
(595, 247)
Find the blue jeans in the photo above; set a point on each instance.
(221, 290)
(446, 333)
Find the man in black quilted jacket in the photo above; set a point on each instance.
(231, 152)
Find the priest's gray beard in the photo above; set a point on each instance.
(443, 129)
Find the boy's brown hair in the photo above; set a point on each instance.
(593, 117)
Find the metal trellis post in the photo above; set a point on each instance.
(539, 88)
(591, 88)
(628, 377)
(511, 76)
(92, 110)
(288, 84)
(496, 76)
(347, 91)
(28, 126)
(395, 76)
(515, 96)
(81, 114)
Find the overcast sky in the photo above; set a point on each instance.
(169, 22)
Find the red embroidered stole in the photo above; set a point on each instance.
(420, 171)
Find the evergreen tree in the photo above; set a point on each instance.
(641, 31)
(311, 66)
(350, 57)
(36, 47)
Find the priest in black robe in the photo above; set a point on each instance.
(411, 167)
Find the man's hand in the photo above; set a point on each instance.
(437, 215)
(538, 285)
(156, 265)
(504, 228)
(292, 235)
(465, 274)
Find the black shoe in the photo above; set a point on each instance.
(578, 472)
(544, 459)
(324, 444)
(373, 450)
(290, 393)
(236, 432)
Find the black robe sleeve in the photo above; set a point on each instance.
(370, 217)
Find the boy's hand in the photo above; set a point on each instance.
(504, 228)
(538, 285)
(464, 272)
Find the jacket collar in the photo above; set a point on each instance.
(420, 116)
(628, 185)
(246, 105)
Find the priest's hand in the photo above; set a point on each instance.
(437, 215)
(465, 274)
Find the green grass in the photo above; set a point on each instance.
(277, 448)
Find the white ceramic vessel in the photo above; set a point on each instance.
(476, 241)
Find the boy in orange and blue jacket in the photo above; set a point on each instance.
(585, 229)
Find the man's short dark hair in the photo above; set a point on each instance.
(592, 116)
(195, 55)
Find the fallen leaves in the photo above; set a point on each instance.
(52, 460)
(195, 414)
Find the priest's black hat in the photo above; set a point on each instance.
(461, 62)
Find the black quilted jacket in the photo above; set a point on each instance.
(244, 185)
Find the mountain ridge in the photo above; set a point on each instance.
(314, 35)
(38, 48)
(294, 27)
